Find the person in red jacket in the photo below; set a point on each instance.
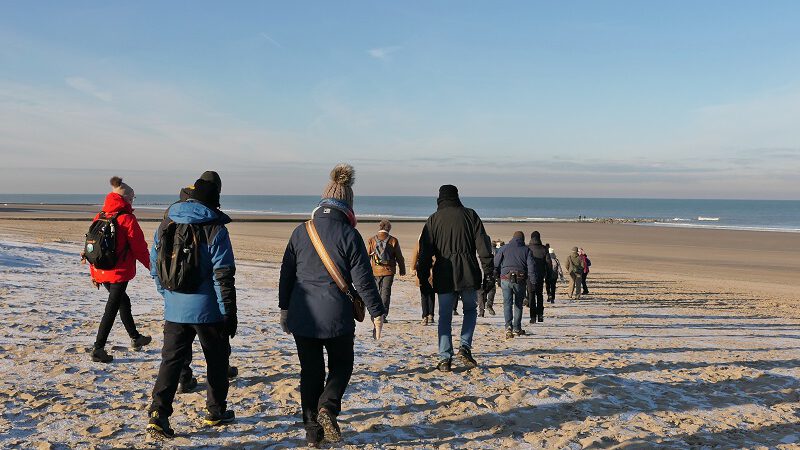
(132, 247)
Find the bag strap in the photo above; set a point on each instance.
(333, 271)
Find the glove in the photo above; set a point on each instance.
(425, 286)
(285, 321)
(488, 281)
(377, 322)
(231, 323)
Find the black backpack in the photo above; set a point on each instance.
(100, 248)
(178, 257)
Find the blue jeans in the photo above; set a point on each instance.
(513, 294)
(469, 299)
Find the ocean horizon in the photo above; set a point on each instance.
(760, 215)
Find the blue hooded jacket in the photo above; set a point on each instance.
(516, 256)
(216, 295)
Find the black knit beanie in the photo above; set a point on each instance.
(448, 192)
(206, 193)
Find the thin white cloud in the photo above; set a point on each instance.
(269, 39)
(383, 53)
(87, 87)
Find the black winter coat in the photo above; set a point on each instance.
(317, 308)
(453, 235)
(541, 258)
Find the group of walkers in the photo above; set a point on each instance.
(328, 278)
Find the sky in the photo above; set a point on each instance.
(680, 99)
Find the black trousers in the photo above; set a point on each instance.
(118, 300)
(536, 298)
(428, 300)
(486, 299)
(551, 287)
(178, 338)
(186, 370)
(315, 390)
(583, 282)
(385, 290)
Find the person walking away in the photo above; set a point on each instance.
(114, 265)
(535, 288)
(317, 312)
(193, 267)
(486, 296)
(586, 264)
(554, 274)
(427, 297)
(187, 381)
(514, 262)
(575, 269)
(452, 235)
(386, 258)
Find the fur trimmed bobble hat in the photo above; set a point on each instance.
(118, 187)
(340, 187)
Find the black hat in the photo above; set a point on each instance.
(448, 191)
(535, 235)
(206, 193)
(212, 177)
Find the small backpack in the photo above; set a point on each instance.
(178, 257)
(100, 247)
(382, 256)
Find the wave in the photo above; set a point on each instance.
(708, 219)
(722, 227)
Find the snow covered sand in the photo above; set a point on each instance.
(642, 363)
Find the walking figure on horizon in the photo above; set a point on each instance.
(452, 235)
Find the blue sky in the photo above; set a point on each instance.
(596, 98)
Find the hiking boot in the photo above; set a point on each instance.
(139, 342)
(490, 310)
(215, 419)
(533, 320)
(100, 355)
(465, 356)
(480, 314)
(519, 332)
(158, 427)
(430, 319)
(425, 320)
(233, 372)
(585, 293)
(314, 437)
(509, 334)
(184, 387)
(445, 365)
(540, 318)
(328, 423)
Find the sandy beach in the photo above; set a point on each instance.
(689, 339)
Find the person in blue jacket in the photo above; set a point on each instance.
(514, 261)
(208, 312)
(316, 312)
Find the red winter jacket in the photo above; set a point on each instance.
(130, 243)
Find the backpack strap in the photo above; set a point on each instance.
(333, 271)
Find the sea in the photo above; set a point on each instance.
(760, 215)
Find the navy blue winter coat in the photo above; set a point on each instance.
(516, 257)
(216, 295)
(317, 308)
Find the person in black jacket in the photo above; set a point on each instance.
(453, 235)
(317, 313)
(541, 258)
(487, 293)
